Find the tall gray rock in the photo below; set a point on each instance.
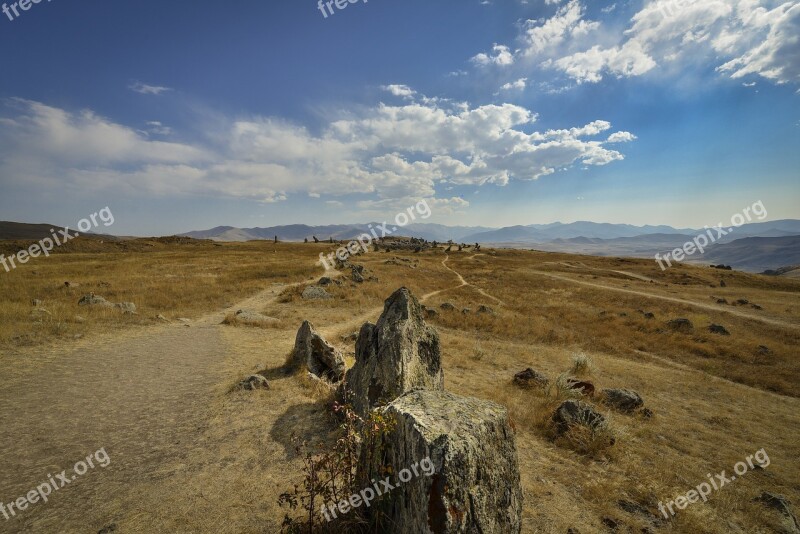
(395, 355)
(320, 357)
(474, 483)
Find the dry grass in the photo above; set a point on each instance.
(716, 399)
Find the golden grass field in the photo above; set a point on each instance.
(716, 399)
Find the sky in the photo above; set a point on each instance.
(184, 115)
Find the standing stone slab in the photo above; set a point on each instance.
(476, 484)
(320, 357)
(395, 355)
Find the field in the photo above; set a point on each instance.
(191, 454)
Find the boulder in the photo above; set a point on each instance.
(254, 382)
(357, 273)
(572, 413)
(624, 400)
(395, 355)
(94, 300)
(319, 356)
(472, 481)
(316, 293)
(529, 379)
(782, 505)
(253, 318)
(583, 386)
(718, 329)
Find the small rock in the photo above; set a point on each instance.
(36, 303)
(718, 329)
(466, 311)
(742, 302)
(447, 306)
(763, 349)
(530, 378)
(254, 382)
(430, 313)
(162, 318)
(71, 284)
(649, 315)
(486, 310)
(681, 325)
(316, 293)
(128, 308)
(94, 300)
(624, 400)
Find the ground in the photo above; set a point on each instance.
(190, 453)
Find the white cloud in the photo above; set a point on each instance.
(145, 89)
(501, 55)
(384, 155)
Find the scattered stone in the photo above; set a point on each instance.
(718, 329)
(466, 311)
(398, 353)
(162, 318)
(357, 273)
(475, 485)
(649, 315)
(254, 382)
(486, 309)
(763, 349)
(756, 307)
(128, 308)
(316, 293)
(573, 412)
(529, 379)
(94, 300)
(722, 283)
(447, 306)
(430, 313)
(319, 356)
(782, 505)
(722, 301)
(681, 325)
(647, 413)
(612, 524)
(624, 400)
(71, 284)
(108, 529)
(742, 302)
(325, 281)
(36, 303)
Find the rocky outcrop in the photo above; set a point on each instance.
(623, 400)
(395, 355)
(474, 481)
(529, 378)
(316, 293)
(576, 413)
(320, 357)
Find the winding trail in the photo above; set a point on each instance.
(710, 307)
(464, 283)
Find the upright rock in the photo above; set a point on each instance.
(475, 483)
(395, 355)
(319, 356)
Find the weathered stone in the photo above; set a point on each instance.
(94, 300)
(473, 481)
(316, 293)
(573, 412)
(254, 382)
(530, 379)
(447, 306)
(583, 386)
(398, 353)
(485, 309)
(319, 356)
(782, 505)
(718, 329)
(253, 318)
(624, 400)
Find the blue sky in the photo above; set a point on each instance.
(185, 115)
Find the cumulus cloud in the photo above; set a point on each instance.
(739, 38)
(145, 89)
(384, 155)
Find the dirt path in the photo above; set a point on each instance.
(766, 320)
(463, 284)
(143, 396)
